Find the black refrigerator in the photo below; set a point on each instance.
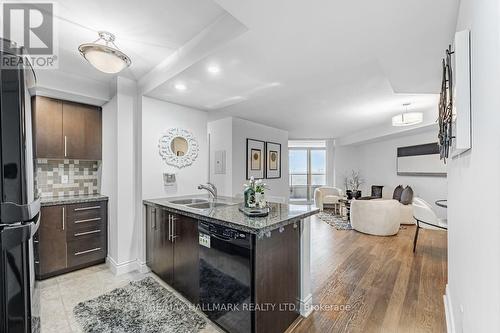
(19, 209)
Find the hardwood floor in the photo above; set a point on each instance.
(386, 286)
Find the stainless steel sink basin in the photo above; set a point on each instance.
(188, 201)
(207, 205)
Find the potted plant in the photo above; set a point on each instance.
(352, 183)
(254, 194)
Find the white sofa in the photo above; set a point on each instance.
(405, 211)
(376, 217)
(327, 195)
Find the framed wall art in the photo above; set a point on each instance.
(273, 160)
(256, 159)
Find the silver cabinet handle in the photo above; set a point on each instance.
(153, 219)
(88, 251)
(86, 208)
(169, 226)
(63, 218)
(65, 146)
(87, 232)
(88, 220)
(174, 236)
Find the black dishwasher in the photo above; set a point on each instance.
(226, 276)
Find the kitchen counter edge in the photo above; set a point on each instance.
(257, 231)
(55, 201)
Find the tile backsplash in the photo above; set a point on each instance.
(82, 177)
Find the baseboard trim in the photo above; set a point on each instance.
(143, 268)
(448, 310)
(305, 306)
(123, 268)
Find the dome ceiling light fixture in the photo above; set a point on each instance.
(104, 55)
(407, 118)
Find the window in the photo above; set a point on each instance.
(307, 160)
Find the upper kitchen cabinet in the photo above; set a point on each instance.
(48, 127)
(67, 129)
(82, 131)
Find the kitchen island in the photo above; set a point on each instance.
(243, 272)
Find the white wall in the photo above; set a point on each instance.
(157, 117)
(108, 170)
(119, 174)
(377, 163)
(345, 159)
(221, 139)
(473, 184)
(243, 129)
(239, 130)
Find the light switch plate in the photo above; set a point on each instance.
(220, 162)
(64, 179)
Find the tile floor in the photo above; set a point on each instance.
(60, 294)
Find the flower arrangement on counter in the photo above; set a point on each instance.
(254, 193)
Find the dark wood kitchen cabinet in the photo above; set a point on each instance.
(48, 127)
(277, 278)
(70, 237)
(52, 249)
(66, 129)
(172, 250)
(186, 269)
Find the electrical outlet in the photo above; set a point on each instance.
(64, 179)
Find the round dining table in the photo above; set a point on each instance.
(442, 203)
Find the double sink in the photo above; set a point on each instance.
(199, 203)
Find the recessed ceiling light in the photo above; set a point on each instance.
(214, 69)
(180, 86)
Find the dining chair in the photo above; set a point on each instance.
(424, 214)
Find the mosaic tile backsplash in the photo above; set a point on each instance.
(83, 177)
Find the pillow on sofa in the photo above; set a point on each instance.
(407, 196)
(397, 193)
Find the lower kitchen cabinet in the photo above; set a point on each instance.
(186, 271)
(53, 247)
(172, 250)
(70, 237)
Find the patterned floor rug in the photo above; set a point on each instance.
(141, 306)
(336, 221)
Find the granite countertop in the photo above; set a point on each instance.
(72, 199)
(280, 214)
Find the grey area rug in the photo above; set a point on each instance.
(328, 216)
(140, 307)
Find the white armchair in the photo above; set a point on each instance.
(327, 195)
(376, 217)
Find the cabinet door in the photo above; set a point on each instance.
(48, 127)
(186, 272)
(164, 249)
(52, 240)
(82, 131)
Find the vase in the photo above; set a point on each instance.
(348, 193)
(249, 197)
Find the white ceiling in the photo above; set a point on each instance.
(323, 68)
(320, 68)
(147, 31)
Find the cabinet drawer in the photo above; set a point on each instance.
(85, 250)
(86, 231)
(89, 212)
